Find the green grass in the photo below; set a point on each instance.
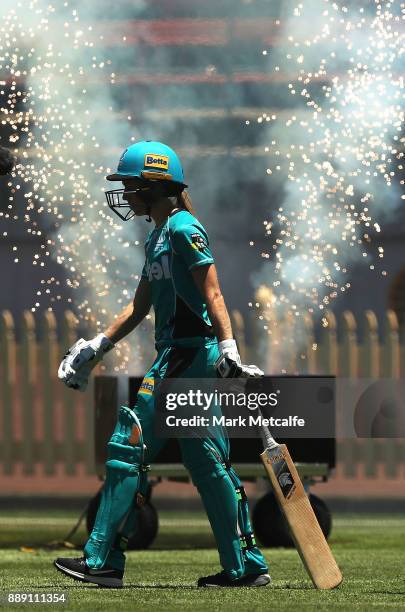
(369, 549)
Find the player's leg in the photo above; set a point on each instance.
(125, 478)
(222, 493)
(253, 558)
(144, 409)
(226, 506)
(168, 363)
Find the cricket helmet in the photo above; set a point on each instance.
(149, 160)
(158, 171)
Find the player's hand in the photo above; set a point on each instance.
(80, 360)
(78, 382)
(229, 365)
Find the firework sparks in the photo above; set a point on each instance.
(341, 157)
(51, 113)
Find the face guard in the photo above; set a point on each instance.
(122, 208)
(156, 171)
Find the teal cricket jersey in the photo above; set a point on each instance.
(172, 250)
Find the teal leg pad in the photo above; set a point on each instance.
(116, 556)
(253, 558)
(125, 477)
(219, 498)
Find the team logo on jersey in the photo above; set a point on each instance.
(198, 242)
(158, 270)
(159, 162)
(160, 242)
(147, 386)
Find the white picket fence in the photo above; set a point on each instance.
(43, 422)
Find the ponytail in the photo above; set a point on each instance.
(184, 201)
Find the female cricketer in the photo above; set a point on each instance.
(193, 340)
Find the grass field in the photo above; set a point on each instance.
(370, 550)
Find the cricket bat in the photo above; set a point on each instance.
(294, 504)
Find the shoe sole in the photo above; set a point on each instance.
(261, 581)
(111, 583)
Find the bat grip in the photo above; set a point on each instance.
(268, 440)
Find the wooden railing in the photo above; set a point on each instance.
(287, 344)
(43, 422)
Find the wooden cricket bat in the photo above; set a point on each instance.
(294, 504)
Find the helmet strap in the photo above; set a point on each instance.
(148, 218)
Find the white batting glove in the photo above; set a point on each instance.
(229, 365)
(78, 381)
(80, 360)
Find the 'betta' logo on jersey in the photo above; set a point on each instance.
(159, 162)
(158, 270)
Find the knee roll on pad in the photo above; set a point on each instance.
(128, 430)
(126, 450)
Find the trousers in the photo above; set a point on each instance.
(206, 459)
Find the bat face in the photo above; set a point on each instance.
(305, 530)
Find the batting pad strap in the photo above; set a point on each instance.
(240, 494)
(132, 469)
(121, 542)
(143, 479)
(227, 464)
(247, 541)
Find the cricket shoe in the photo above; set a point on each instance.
(222, 580)
(79, 570)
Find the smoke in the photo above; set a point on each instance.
(338, 153)
(83, 80)
(65, 136)
(84, 83)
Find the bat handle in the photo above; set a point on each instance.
(268, 441)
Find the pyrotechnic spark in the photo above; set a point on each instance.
(59, 129)
(342, 157)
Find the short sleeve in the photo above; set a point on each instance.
(144, 273)
(191, 243)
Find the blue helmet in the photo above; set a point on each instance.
(149, 160)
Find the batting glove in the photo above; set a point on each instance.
(229, 365)
(78, 381)
(80, 360)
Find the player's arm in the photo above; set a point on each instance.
(229, 363)
(84, 355)
(191, 243)
(206, 279)
(132, 315)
